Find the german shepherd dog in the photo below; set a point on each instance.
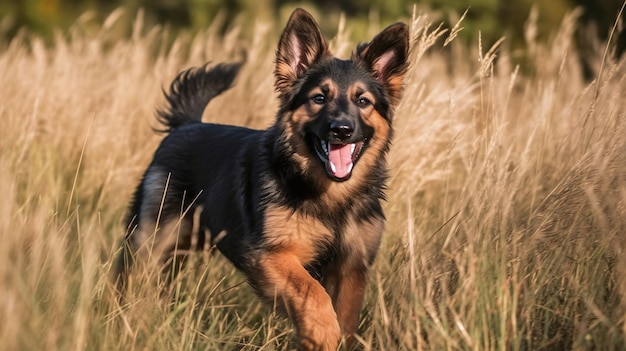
(296, 207)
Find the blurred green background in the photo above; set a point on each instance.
(494, 18)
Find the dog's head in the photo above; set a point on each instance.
(339, 110)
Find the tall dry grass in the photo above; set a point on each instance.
(506, 210)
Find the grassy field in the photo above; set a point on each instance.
(506, 211)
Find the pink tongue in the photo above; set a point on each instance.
(341, 157)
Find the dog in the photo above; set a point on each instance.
(297, 207)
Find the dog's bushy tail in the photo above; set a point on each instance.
(192, 90)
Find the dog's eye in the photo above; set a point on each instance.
(319, 99)
(363, 102)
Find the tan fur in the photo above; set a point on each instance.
(306, 301)
(284, 70)
(346, 281)
(157, 248)
(346, 287)
(361, 238)
(395, 86)
(303, 236)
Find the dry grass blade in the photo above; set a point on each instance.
(455, 30)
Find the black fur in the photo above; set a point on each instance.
(192, 90)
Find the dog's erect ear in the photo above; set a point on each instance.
(301, 44)
(386, 57)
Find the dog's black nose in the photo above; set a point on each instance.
(341, 130)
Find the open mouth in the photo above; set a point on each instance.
(339, 159)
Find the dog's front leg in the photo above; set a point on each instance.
(346, 285)
(281, 278)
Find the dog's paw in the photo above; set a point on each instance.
(320, 331)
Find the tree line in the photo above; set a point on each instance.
(493, 18)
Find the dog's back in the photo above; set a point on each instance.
(196, 163)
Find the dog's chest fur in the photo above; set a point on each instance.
(312, 240)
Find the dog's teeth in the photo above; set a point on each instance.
(333, 167)
(324, 146)
(350, 168)
(327, 145)
(352, 147)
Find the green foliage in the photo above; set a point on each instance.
(492, 18)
